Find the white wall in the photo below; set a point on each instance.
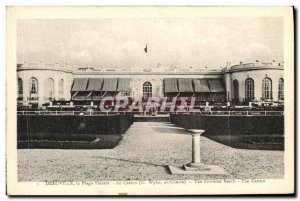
(42, 76)
(138, 79)
(257, 76)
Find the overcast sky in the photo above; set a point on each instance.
(182, 42)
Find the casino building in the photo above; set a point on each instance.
(40, 83)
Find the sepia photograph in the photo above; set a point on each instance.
(150, 100)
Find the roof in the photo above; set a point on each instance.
(124, 84)
(216, 85)
(79, 84)
(170, 85)
(185, 85)
(95, 84)
(110, 84)
(201, 85)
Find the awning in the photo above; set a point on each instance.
(79, 84)
(201, 85)
(110, 84)
(170, 85)
(95, 84)
(216, 85)
(185, 85)
(124, 84)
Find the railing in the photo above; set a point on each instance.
(32, 98)
(204, 113)
(49, 99)
(80, 113)
(257, 65)
(243, 113)
(233, 113)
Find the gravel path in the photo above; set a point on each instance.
(146, 148)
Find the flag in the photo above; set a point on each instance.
(146, 48)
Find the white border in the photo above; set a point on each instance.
(3, 4)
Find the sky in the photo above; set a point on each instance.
(181, 42)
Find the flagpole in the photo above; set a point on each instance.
(147, 60)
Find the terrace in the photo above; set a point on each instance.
(146, 148)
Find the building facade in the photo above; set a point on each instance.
(255, 82)
(40, 83)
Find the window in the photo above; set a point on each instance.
(267, 88)
(49, 89)
(61, 88)
(235, 90)
(20, 87)
(147, 89)
(249, 89)
(33, 86)
(281, 89)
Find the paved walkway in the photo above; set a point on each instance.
(146, 148)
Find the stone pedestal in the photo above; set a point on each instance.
(196, 167)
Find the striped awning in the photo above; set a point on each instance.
(216, 85)
(124, 84)
(185, 85)
(170, 85)
(201, 85)
(95, 84)
(110, 84)
(79, 84)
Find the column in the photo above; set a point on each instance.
(196, 155)
(228, 86)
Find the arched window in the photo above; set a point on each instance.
(235, 90)
(61, 88)
(49, 89)
(249, 89)
(267, 88)
(33, 86)
(147, 89)
(20, 87)
(281, 89)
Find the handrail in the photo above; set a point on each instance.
(71, 112)
(236, 113)
(203, 113)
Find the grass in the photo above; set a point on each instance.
(73, 142)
